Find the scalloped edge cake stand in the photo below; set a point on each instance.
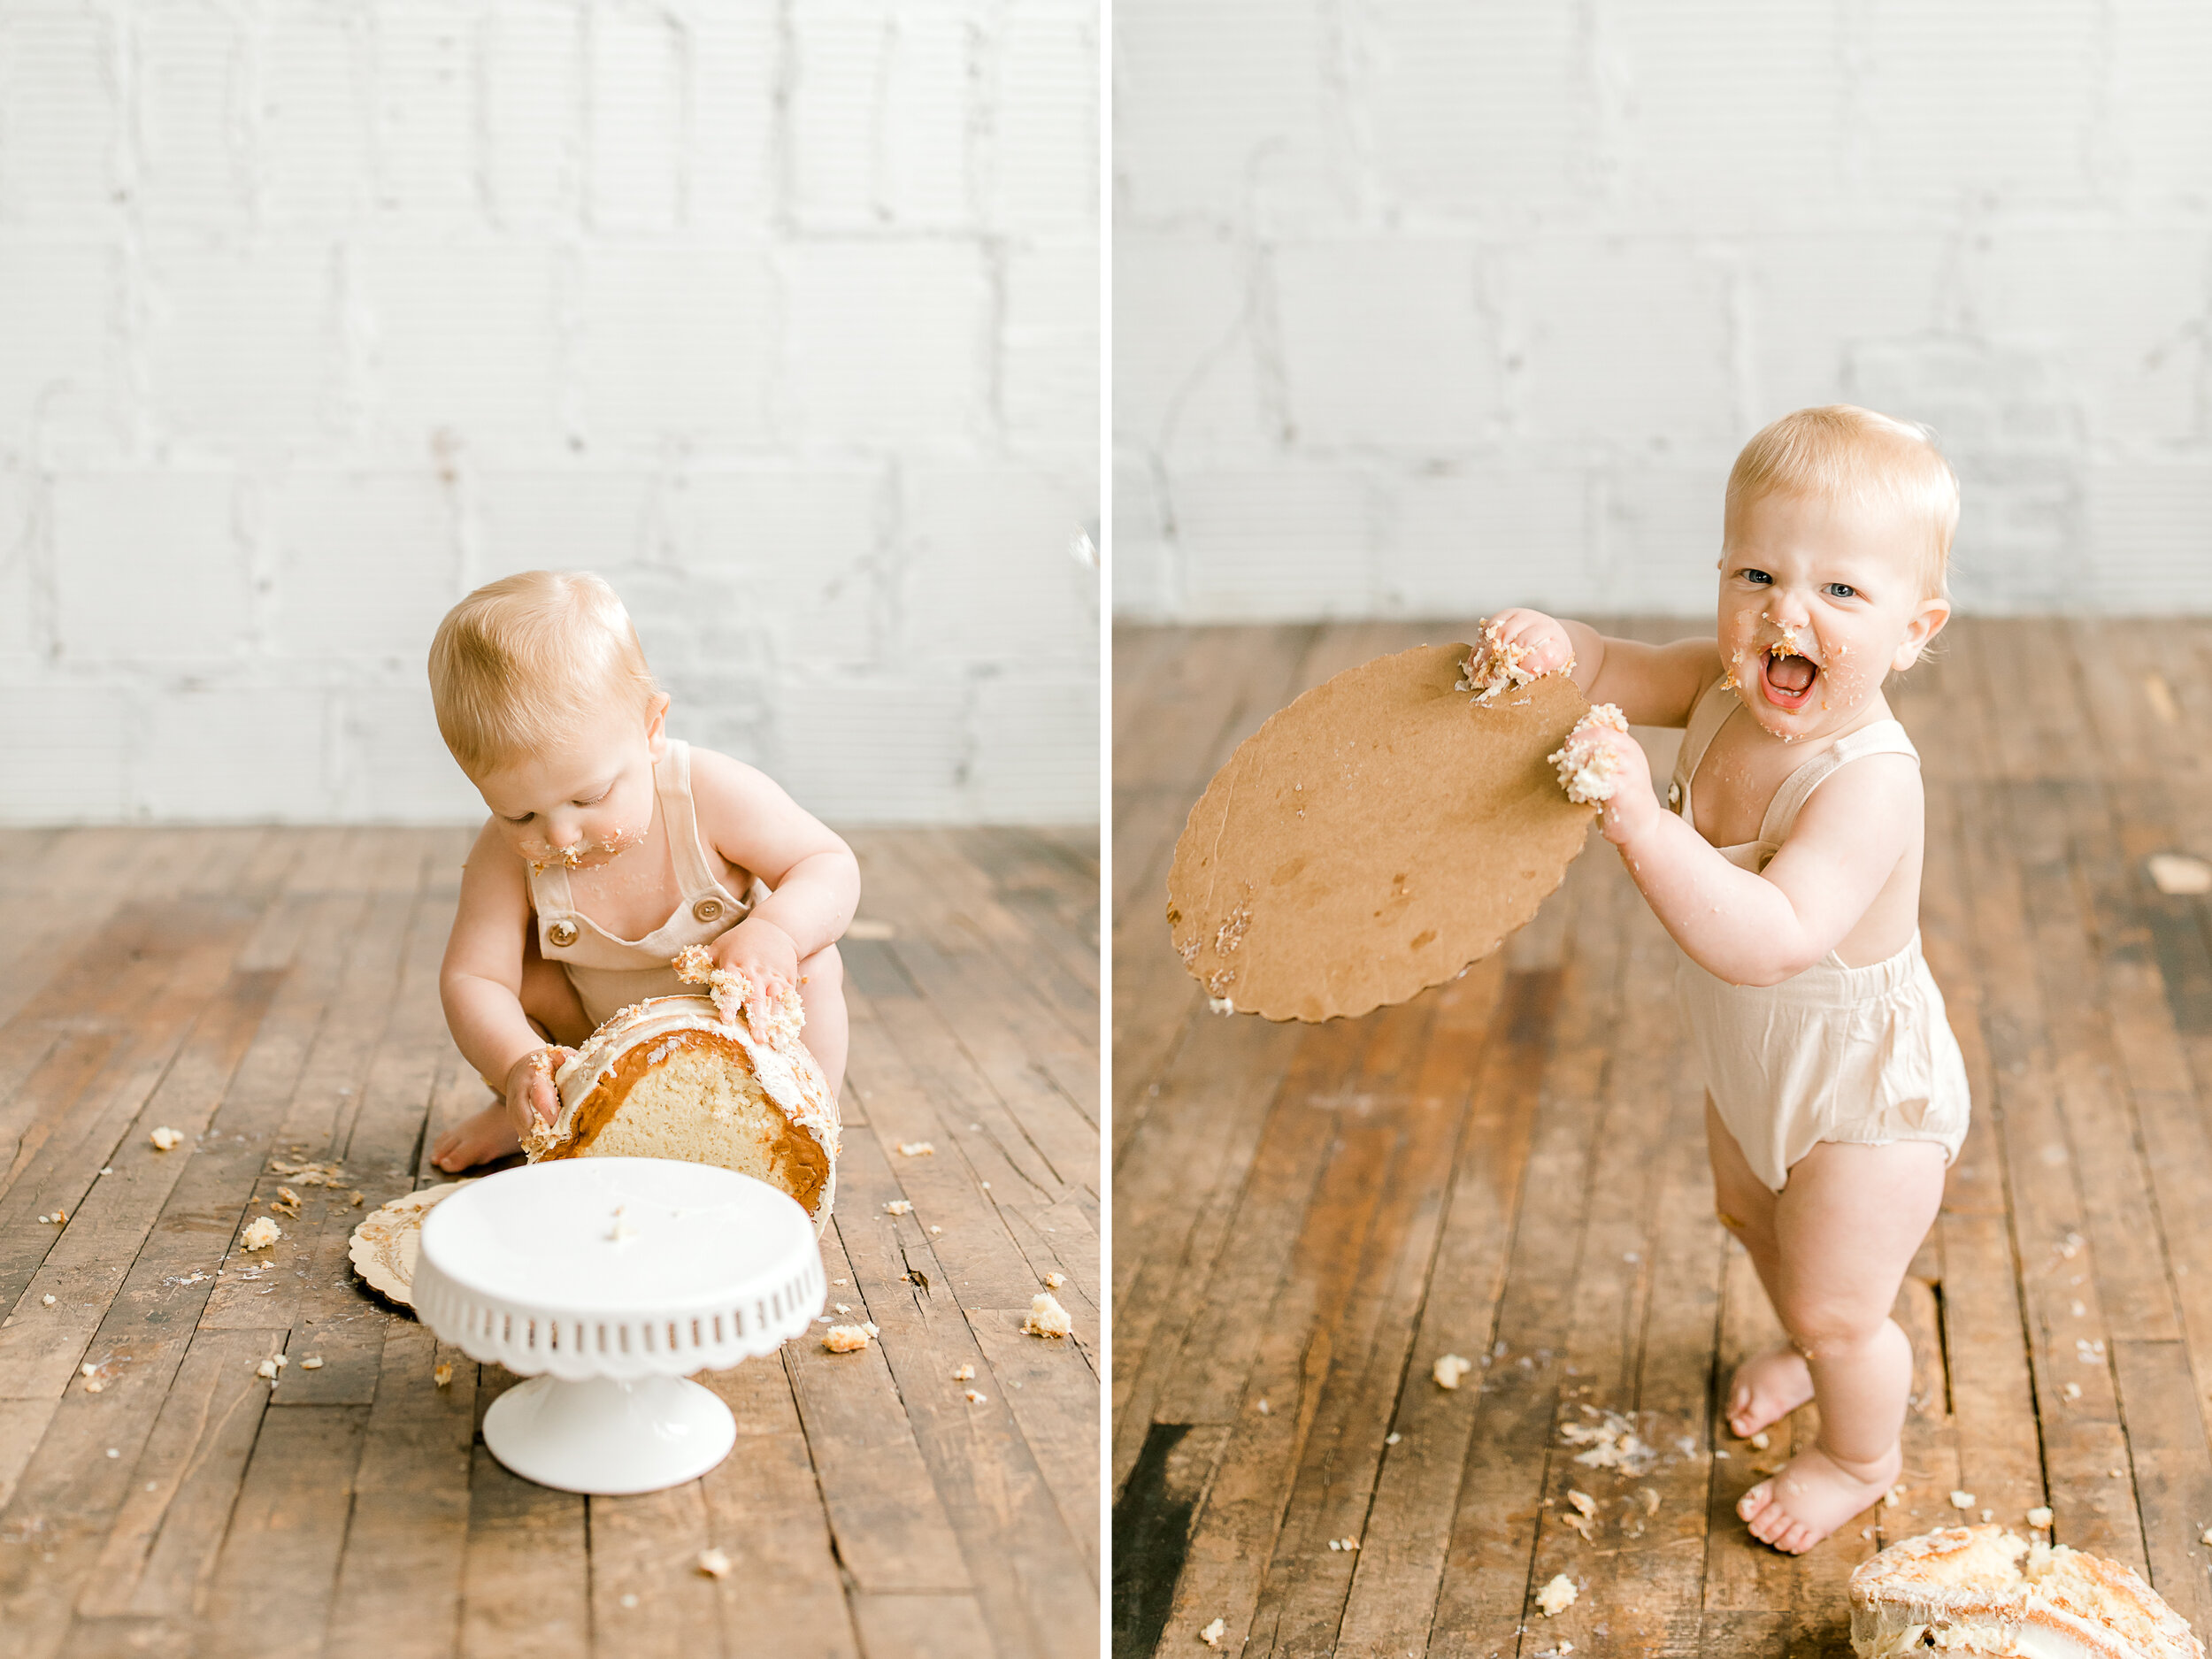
(607, 1281)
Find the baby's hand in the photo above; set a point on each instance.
(1515, 647)
(531, 1097)
(1631, 807)
(1601, 763)
(769, 957)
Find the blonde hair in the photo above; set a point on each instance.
(522, 658)
(1841, 452)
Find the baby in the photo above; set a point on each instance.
(1786, 864)
(610, 847)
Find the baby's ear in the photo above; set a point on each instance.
(1926, 623)
(656, 724)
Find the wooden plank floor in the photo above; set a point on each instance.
(1513, 1167)
(272, 992)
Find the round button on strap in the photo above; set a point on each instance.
(707, 910)
(562, 932)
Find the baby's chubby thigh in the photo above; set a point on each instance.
(1846, 1226)
(822, 993)
(551, 1004)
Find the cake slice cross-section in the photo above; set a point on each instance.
(688, 1078)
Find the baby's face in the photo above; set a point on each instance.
(585, 801)
(1819, 601)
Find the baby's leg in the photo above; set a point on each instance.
(822, 991)
(1768, 1386)
(550, 1001)
(1846, 1226)
(550, 1004)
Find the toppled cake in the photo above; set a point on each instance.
(1981, 1593)
(688, 1078)
(1587, 769)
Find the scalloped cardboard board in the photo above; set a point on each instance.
(1374, 838)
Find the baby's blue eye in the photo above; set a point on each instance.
(1843, 590)
(1758, 576)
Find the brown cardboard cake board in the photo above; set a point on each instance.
(1374, 838)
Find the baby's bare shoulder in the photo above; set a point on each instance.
(494, 896)
(750, 817)
(1878, 796)
(722, 784)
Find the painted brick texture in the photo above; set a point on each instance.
(1428, 307)
(782, 316)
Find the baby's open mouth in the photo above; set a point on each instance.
(1787, 679)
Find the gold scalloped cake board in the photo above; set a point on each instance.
(385, 1245)
(1374, 838)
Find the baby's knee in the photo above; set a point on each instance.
(1839, 1327)
(823, 973)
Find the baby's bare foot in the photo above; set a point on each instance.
(479, 1140)
(1767, 1389)
(1813, 1495)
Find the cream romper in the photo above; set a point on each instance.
(1862, 1055)
(611, 973)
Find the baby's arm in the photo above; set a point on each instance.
(1761, 929)
(1652, 685)
(480, 982)
(750, 821)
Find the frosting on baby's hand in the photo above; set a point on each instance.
(1589, 771)
(1494, 665)
(732, 988)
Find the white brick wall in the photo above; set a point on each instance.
(1433, 306)
(782, 314)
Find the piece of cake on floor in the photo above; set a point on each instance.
(1984, 1593)
(685, 1077)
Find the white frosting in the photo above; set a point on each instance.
(1495, 665)
(1953, 1592)
(1589, 769)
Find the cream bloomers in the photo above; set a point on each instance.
(1983, 1593)
(685, 1078)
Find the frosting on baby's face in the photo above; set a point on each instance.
(585, 801)
(1819, 601)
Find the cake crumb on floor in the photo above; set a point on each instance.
(1046, 1317)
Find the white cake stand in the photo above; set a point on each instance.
(607, 1281)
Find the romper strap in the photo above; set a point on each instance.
(554, 905)
(672, 780)
(1708, 715)
(1884, 737)
(550, 895)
